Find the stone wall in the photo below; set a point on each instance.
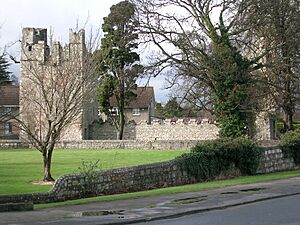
(109, 144)
(137, 178)
(190, 129)
(5, 144)
(131, 179)
(127, 144)
(177, 130)
(264, 126)
(273, 160)
(106, 131)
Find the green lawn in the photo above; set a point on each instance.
(19, 167)
(295, 123)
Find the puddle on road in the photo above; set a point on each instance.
(99, 213)
(252, 189)
(184, 201)
(243, 191)
(229, 193)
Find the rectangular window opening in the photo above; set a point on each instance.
(136, 112)
(7, 128)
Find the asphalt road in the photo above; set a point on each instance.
(282, 211)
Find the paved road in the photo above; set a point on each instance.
(282, 211)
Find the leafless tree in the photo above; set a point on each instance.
(53, 93)
(280, 27)
(205, 41)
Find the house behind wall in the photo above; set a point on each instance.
(9, 108)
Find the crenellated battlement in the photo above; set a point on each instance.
(177, 129)
(185, 121)
(34, 35)
(76, 37)
(36, 48)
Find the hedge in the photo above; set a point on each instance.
(210, 158)
(290, 145)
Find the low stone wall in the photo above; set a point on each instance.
(137, 178)
(131, 179)
(128, 144)
(12, 144)
(273, 161)
(110, 144)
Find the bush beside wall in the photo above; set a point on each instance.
(290, 145)
(209, 159)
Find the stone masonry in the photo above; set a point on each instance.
(273, 160)
(177, 130)
(162, 130)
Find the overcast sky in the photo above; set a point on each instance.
(59, 15)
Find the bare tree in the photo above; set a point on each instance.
(56, 87)
(208, 42)
(280, 27)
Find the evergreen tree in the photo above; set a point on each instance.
(172, 109)
(118, 62)
(4, 73)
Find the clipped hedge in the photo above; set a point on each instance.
(290, 145)
(210, 158)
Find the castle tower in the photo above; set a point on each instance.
(42, 70)
(34, 45)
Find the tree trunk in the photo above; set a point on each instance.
(288, 121)
(47, 158)
(121, 110)
(121, 131)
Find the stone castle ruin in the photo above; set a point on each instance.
(44, 69)
(38, 61)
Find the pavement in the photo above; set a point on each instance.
(157, 207)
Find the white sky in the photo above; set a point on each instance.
(59, 15)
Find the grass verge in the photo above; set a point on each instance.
(179, 189)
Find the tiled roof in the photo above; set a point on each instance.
(9, 95)
(144, 96)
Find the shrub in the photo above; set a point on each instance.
(290, 145)
(88, 170)
(208, 159)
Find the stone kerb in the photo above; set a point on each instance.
(180, 130)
